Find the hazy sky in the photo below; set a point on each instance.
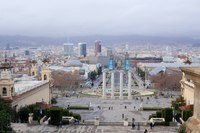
(99, 17)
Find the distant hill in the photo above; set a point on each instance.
(23, 41)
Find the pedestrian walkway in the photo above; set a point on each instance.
(23, 128)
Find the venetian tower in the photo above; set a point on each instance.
(6, 81)
(46, 72)
(34, 70)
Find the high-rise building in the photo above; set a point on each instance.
(82, 49)
(97, 47)
(68, 49)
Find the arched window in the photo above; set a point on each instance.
(33, 74)
(45, 77)
(4, 92)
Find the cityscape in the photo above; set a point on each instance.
(99, 66)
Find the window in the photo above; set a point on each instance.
(4, 92)
(45, 77)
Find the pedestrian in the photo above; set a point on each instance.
(109, 108)
(125, 107)
(151, 125)
(134, 107)
(122, 116)
(133, 125)
(145, 131)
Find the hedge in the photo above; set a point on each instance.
(152, 108)
(167, 113)
(78, 107)
(152, 116)
(159, 114)
(186, 114)
(56, 115)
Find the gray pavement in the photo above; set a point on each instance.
(117, 107)
(23, 128)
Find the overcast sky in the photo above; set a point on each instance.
(99, 17)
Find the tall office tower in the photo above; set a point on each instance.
(82, 49)
(97, 47)
(68, 49)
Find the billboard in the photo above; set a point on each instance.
(111, 64)
(126, 64)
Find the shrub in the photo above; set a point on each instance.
(23, 114)
(186, 114)
(56, 115)
(65, 112)
(158, 114)
(151, 108)
(78, 107)
(167, 113)
(53, 100)
(182, 129)
(77, 116)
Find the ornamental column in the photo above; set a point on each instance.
(112, 84)
(104, 84)
(129, 85)
(121, 85)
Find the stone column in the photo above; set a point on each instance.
(129, 84)
(104, 84)
(121, 85)
(196, 112)
(112, 84)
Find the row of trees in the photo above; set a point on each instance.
(63, 80)
(166, 82)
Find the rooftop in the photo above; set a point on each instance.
(176, 64)
(26, 83)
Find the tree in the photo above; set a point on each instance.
(93, 75)
(5, 116)
(180, 101)
(53, 100)
(166, 82)
(65, 80)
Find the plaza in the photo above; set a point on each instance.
(110, 113)
(23, 128)
(111, 110)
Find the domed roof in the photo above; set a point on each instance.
(75, 63)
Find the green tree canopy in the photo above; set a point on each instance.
(5, 117)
